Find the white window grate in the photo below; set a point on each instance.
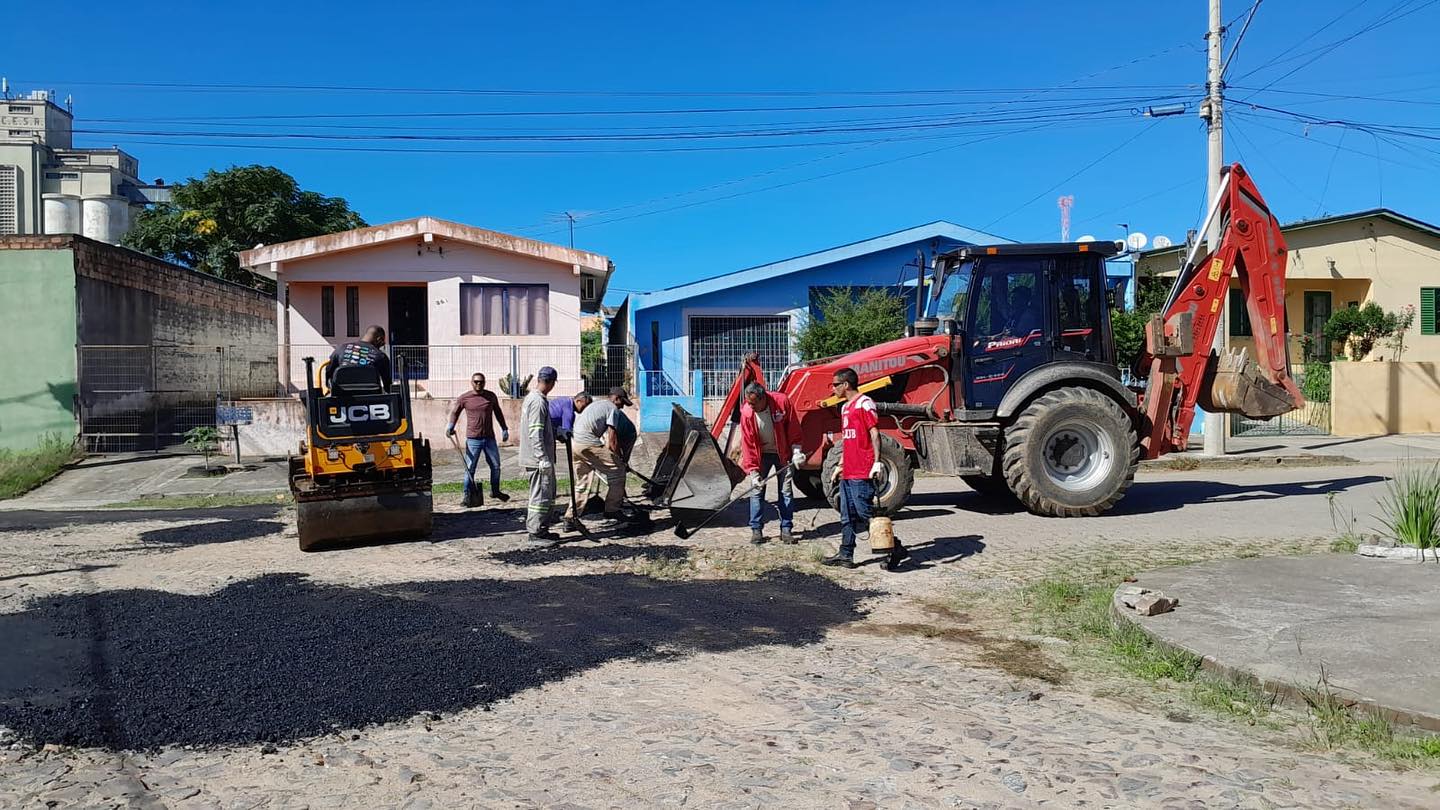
(9, 199)
(718, 345)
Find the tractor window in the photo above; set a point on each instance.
(1078, 307)
(1008, 301)
(954, 295)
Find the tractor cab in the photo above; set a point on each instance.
(1016, 308)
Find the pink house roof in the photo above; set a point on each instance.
(270, 260)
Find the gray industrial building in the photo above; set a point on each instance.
(49, 187)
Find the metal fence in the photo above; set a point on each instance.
(1311, 420)
(147, 397)
(445, 371)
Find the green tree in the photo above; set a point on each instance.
(1128, 326)
(592, 349)
(212, 218)
(848, 320)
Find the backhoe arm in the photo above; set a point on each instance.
(1182, 369)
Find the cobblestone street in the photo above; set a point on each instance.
(632, 672)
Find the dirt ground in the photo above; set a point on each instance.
(197, 659)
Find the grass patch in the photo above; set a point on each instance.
(23, 470)
(1344, 545)
(205, 501)
(1078, 608)
(1410, 508)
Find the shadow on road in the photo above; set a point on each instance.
(1161, 495)
(280, 657)
(581, 551)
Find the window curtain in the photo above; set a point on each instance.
(501, 309)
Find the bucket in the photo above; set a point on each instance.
(882, 534)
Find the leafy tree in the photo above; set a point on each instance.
(592, 349)
(1128, 326)
(214, 217)
(848, 320)
(1357, 330)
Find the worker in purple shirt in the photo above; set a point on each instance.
(562, 413)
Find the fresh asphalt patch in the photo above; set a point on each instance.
(581, 551)
(223, 531)
(281, 658)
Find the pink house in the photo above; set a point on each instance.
(454, 299)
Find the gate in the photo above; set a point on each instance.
(146, 397)
(1311, 420)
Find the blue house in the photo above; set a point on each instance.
(690, 339)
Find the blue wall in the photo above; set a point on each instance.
(787, 294)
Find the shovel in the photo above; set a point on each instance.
(574, 507)
(684, 533)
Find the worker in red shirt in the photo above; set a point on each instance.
(859, 467)
(769, 440)
(480, 407)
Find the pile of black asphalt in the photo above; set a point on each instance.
(281, 658)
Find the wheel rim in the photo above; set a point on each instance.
(1077, 455)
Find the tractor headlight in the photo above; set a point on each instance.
(394, 451)
(332, 454)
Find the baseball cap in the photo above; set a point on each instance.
(546, 373)
(617, 391)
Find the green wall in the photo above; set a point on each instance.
(37, 308)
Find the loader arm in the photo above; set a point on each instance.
(1183, 372)
(750, 371)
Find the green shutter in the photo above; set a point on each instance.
(1427, 310)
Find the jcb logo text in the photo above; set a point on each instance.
(360, 413)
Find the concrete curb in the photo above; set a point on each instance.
(1183, 462)
(1284, 691)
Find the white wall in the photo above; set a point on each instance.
(377, 268)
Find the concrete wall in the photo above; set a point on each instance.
(37, 306)
(128, 298)
(1373, 398)
(441, 272)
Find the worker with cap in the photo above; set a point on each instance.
(364, 352)
(563, 411)
(598, 453)
(537, 456)
(769, 440)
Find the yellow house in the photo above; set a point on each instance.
(1345, 261)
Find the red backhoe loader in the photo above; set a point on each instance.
(1008, 377)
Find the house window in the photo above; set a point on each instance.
(327, 311)
(504, 309)
(1427, 310)
(19, 109)
(587, 288)
(1239, 315)
(352, 311)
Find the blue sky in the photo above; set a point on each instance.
(1023, 102)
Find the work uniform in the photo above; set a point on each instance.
(537, 455)
(359, 353)
(480, 409)
(857, 492)
(594, 460)
(768, 439)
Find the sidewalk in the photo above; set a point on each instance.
(1313, 450)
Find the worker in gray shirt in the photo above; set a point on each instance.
(598, 453)
(537, 455)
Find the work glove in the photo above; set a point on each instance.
(544, 464)
(835, 474)
(797, 457)
(563, 435)
(450, 431)
(752, 481)
(504, 436)
(877, 471)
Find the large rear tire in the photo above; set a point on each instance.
(1071, 453)
(808, 482)
(893, 489)
(989, 486)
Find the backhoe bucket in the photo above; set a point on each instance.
(361, 517)
(692, 476)
(1234, 384)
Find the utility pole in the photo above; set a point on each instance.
(1211, 111)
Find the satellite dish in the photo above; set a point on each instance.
(1137, 241)
(1163, 241)
(1086, 238)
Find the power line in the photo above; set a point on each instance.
(1235, 48)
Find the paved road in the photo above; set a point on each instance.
(656, 681)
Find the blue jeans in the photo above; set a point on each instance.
(473, 449)
(857, 501)
(768, 462)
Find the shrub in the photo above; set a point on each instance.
(848, 320)
(204, 439)
(1410, 508)
(1315, 385)
(1356, 331)
(23, 470)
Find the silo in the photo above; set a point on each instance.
(62, 213)
(105, 217)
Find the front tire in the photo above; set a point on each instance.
(1071, 453)
(891, 491)
(808, 482)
